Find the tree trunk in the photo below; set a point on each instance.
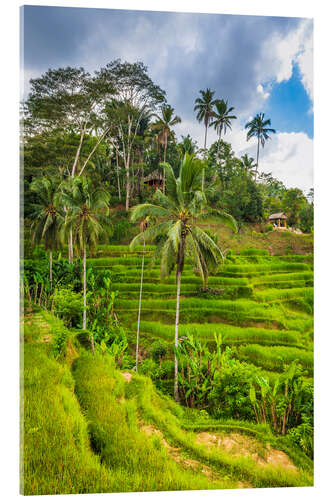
(165, 148)
(257, 160)
(51, 277)
(203, 172)
(128, 184)
(117, 170)
(139, 312)
(178, 275)
(70, 247)
(84, 321)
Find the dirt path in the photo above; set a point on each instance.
(241, 445)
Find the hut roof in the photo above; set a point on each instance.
(279, 215)
(155, 175)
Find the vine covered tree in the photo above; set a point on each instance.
(259, 127)
(177, 214)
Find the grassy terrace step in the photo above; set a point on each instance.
(141, 461)
(273, 358)
(239, 312)
(216, 317)
(280, 294)
(276, 278)
(187, 278)
(230, 334)
(151, 406)
(284, 284)
(250, 270)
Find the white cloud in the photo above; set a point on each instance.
(289, 156)
(281, 52)
(261, 92)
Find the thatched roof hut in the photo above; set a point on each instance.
(154, 179)
(277, 218)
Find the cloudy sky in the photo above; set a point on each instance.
(260, 64)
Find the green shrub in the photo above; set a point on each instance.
(159, 349)
(68, 305)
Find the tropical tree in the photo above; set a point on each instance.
(259, 127)
(176, 231)
(222, 118)
(163, 126)
(204, 107)
(248, 163)
(143, 227)
(47, 217)
(188, 145)
(87, 218)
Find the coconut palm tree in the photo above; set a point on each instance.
(248, 163)
(188, 145)
(221, 118)
(87, 218)
(143, 227)
(258, 127)
(176, 230)
(47, 217)
(204, 107)
(163, 126)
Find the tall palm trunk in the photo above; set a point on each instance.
(128, 183)
(180, 262)
(84, 321)
(117, 170)
(139, 311)
(51, 276)
(70, 247)
(257, 160)
(164, 159)
(203, 172)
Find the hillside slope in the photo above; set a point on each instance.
(88, 427)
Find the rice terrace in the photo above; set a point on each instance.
(167, 291)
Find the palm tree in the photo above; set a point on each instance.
(188, 145)
(143, 227)
(248, 163)
(222, 117)
(47, 217)
(87, 218)
(258, 127)
(176, 229)
(163, 126)
(204, 107)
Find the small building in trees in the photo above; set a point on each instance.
(278, 220)
(154, 179)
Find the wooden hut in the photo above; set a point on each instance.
(279, 219)
(154, 179)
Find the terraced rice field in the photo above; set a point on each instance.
(261, 304)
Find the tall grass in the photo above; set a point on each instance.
(57, 458)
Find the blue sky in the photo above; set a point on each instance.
(260, 64)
